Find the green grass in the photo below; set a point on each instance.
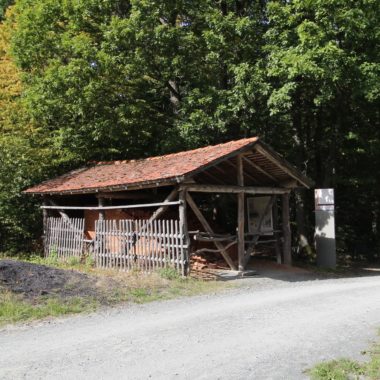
(113, 287)
(341, 369)
(85, 264)
(345, 369)
(14, 309)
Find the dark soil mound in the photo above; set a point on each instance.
(32, 280)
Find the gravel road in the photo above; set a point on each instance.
(265, 329)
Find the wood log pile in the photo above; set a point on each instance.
(199, 263)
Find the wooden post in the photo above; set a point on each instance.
(184, 232)
(102, 214)
(45, 215)
(276, 233)
(287, 252)
(240, 220)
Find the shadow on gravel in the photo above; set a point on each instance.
(263, 268)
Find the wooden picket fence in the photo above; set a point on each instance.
(139, 245)
(64, 237)
(122, 244)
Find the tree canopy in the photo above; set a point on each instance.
(89, 79)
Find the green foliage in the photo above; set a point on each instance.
(123, 79)
(4, 4)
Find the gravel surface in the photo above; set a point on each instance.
(268, 328)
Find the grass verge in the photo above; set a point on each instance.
(15, 309)
(110, 288)
(343, 369)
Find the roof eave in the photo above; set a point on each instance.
(139, 185)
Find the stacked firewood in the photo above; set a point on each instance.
(198, 262)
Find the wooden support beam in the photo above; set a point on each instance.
(287, 252)
(260, 169)
(240, 220)
(236, 169)
(164, 205)
(208, 229)
(184, 232)
(45, 215)
(102, 213)
(56, 207)
(281, 163)
(276, 232)
(234, 189)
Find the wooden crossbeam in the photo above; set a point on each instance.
(208, 229)
(234, 189)
(165, 204)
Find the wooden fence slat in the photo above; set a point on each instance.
(150, 248)
(171, 243)
(154, 253)
(159, 258)
(124, 244)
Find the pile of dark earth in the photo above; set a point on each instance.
(33, 280)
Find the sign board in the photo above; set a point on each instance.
(324, 199)
(325, 228)
(256, 207)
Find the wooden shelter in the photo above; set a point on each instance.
(118, 207)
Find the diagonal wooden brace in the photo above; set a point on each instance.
(208, 229)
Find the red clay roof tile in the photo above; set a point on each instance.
(119, 174)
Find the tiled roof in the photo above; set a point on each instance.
(122, 174)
